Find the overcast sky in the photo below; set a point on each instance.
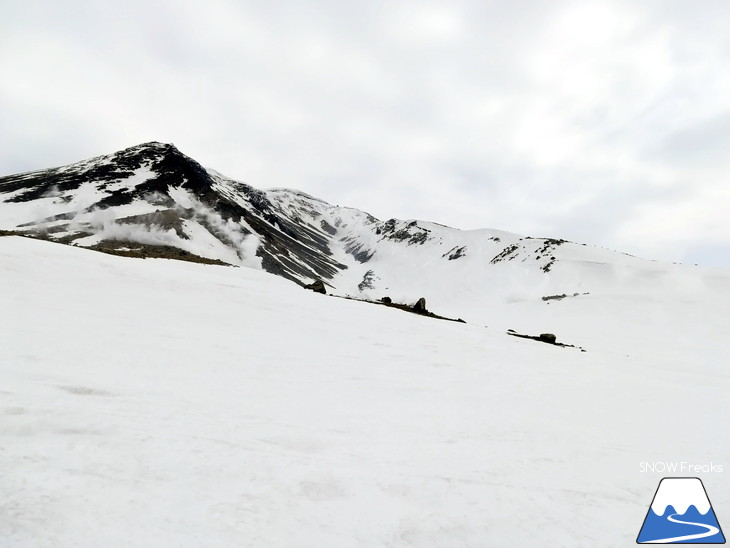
(606, 123)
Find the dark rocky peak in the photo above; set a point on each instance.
(168, 168)
(166, 164)
(136, 156)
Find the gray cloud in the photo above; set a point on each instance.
(601, 122)
(704, 142)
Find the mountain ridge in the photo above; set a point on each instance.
(151, 200)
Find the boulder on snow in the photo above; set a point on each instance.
(317, 286)
(420, 306)
(548, 338)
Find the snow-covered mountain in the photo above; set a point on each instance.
(151, 200)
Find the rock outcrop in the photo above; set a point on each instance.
(317, 286)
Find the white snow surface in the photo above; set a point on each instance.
(163, 403)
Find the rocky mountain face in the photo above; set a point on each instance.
(151, 200)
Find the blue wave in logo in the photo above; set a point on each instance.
(671, 527)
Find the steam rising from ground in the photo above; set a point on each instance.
(200, 230)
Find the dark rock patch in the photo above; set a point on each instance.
(52, 219)
(562, 296)
(387, 301)
(412, 234)
(509, 253)
(420, 306)
(145, 251)
(328, 228)
(367, 281)
(455, 253)
(10, 233)
(358, 250)
(317, 286)
(548, 338)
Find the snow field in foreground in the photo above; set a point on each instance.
(158, 403)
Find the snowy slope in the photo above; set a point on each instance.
(164, 403)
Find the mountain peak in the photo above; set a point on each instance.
(150, 148)
(166, 164)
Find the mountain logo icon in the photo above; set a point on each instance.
(680, 513)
